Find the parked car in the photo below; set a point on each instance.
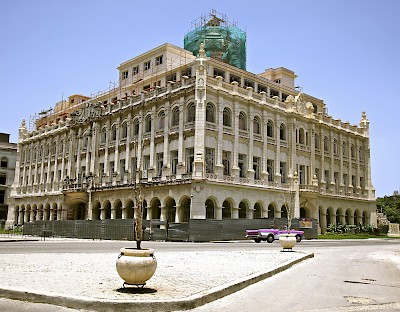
(270, 235)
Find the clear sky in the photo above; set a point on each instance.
(346, 52)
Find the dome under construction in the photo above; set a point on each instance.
(222, 39)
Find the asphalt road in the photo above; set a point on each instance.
(351, 275)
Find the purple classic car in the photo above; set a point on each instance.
(270, 235)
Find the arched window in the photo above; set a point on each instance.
(124, 132)
(161, 120)
(242, 121)
(136, 127)
(147, 125)
(53, 148)
(282, 132)
(227, 117)
(360, 153)
(113, 132)
(61, 147)
(326, 144)
(85, 141)
(41, 152)
(301, 136)
(191, 112)
(344, 149)
(175, 116)
(270, 128)
(47, 150)
(210, 112)
(256, 125)
(316, 139)
(335, 147)
(103, 135)
(353, 151)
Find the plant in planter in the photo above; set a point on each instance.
(288, 240)
(136, 265)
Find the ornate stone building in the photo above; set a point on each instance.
(214, 142)
(8, 157)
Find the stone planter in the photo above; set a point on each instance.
(136, 266)
(287, 241)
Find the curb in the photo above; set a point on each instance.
(190, 302)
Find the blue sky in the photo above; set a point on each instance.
(346, 52)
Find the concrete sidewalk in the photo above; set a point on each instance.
(183, 280)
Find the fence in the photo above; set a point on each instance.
(196, 230)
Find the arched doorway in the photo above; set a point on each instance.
(156, 209)
(284, 213)
(226, 210)
(210, 208)
(170, 207)
(184, 214)
(129, 212)
(257, 211)
(117, 209)
(242, 210)
(271, 211)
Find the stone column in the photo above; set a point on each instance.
(250, 170)
(177, 213)
(236, 112)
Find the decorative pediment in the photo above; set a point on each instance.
(87, 113)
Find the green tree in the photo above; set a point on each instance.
(390, 206)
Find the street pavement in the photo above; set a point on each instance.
(360, 275)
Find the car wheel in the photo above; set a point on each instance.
(270, 238)
(298, 238)
(257, 240)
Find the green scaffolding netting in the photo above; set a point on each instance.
(226, 43)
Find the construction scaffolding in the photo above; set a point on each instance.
(222, 39)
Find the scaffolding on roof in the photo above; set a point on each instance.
(222, 39)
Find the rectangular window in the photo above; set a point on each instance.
(262, 88)
(159, 167)
(133, 168)
(242, 165)
(353, 182)
(226, 162)
(256, 167)
(283, 171)
(112, 168)
(146, 162)
(122, 168)
(146, 65)
(189, 160)
(327, 179)
(233, 78)
(171, 77)
(187, 72)
(316, 173)
(101, 169)
(125, 74)
(336, 178)
(219, 72)
(210, 160)
(2, 196)
(270, 169)
(159, 60)
(174, 161)
(3, 179)
(135, 70)
(302, 174)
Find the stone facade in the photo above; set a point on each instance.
(213, 141)
(8, 157)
